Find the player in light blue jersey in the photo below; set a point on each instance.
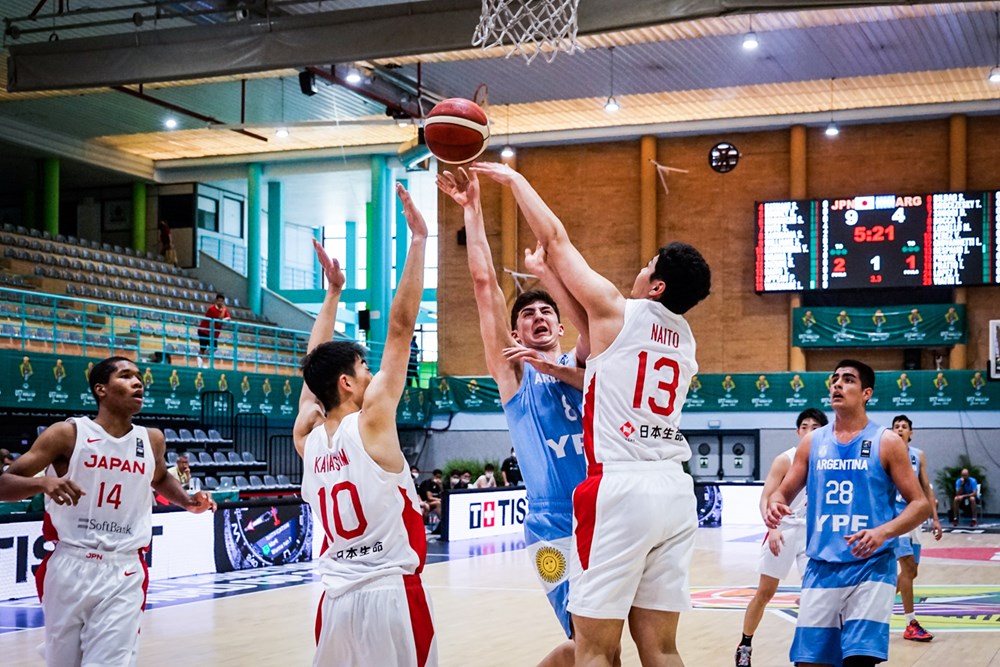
(908, 546)
(540, 388)
(851, 469)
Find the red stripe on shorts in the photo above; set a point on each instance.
(319, 618)
(145, 576)
(40, 575)
(420, 617)
(588, 421)
(585, 512)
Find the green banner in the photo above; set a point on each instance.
(414, 407)
(936, 325)
(465, 394)
(894, 390)
(59, 382)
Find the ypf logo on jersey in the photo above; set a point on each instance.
(866, 449)
(139, 449)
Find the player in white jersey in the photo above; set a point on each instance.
(98, 511)
(908, 546)
(630, 557)
(374, 609)
(783, 546)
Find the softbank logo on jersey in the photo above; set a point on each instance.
(507, 512)
(115, 463)
(331, 462)
(103, 526)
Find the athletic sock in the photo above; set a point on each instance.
(746, 640)
(912, 616)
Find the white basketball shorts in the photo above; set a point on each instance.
(93, 602)
(385, 622)
(792, 551)
(633, 535)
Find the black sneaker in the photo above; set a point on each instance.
(743, 656)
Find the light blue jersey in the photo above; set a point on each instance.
(848, 491)
(914, 454)
(547, 432)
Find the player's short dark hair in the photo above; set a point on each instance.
(865, 372)
(686, 274)
(437, 471)
(220, 296)
(102, 371)
(811, 413)
(526, 299)
(902, 418)
(489, 467)
(322, 368)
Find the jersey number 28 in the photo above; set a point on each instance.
(667, 386)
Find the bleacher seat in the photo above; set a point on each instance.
(249, 458)
(256, 482)
(225, 482)
(170, 435)
(171, 458)
(205, 458)
(201, 436)
(220, 458)
(40, 430)
(270, 481)
(215, 436)
(186, 435)
(242, 482)
(211, 483)
(234, 458)
(284, 481)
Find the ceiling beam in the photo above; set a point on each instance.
(323, 39)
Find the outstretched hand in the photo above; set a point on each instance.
(775, 513)
(499, 172)
(331, 267)
(525, 354)
(63, 490)
(463, 188)
(201, 502)
(534, 261)
(414, 219)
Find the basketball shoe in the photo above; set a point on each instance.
(914, 632)
(743, 656)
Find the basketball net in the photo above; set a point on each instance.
(662, 172)
(529, 27)
(518, 277)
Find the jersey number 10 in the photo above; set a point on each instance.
(337, 493)
(669, 387)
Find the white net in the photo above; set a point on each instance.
(529, 27)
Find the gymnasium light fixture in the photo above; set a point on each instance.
(995, 75)
(281, 133)
(612, 104)
(507, 151)
(353, 75)
(750, 38)
(831, 129)
(170, 123)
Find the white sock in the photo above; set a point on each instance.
(912, 616)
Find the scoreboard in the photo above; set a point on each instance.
(943, 239)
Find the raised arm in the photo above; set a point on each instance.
(536, 263)
(494, 326)
(310, 411)
(604, 304)
(378, 412)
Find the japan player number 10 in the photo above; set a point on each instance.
(663, 391)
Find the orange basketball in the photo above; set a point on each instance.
(457, 130)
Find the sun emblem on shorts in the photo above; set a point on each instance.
(551, 564)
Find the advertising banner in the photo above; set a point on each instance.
(934, 325)
(482, 512)
(59, 382)
(249, 537)
(465, 394)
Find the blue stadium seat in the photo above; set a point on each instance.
(256, 482)
(225, 482)
(242, 482)
(211, 483)
(249, 458)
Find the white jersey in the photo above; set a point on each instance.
(798, 504)
(371, 517)
(116, 514)
(635, 389)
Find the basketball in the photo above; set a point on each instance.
(457, 130)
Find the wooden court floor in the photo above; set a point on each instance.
(489, 611)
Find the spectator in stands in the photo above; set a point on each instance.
(510, 471)
(966, 490)
(209, 329)
(181, 471)
(486, 480)
(465, 481)
(167, 243)
(455, 479)
(413, 368)
(430, 492)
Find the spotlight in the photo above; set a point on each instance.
(750, 41)
(611, 105)
(832, 130)
(353, 76)
(995, 75)
(170, 123)
(281, 133)
(507, 152)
